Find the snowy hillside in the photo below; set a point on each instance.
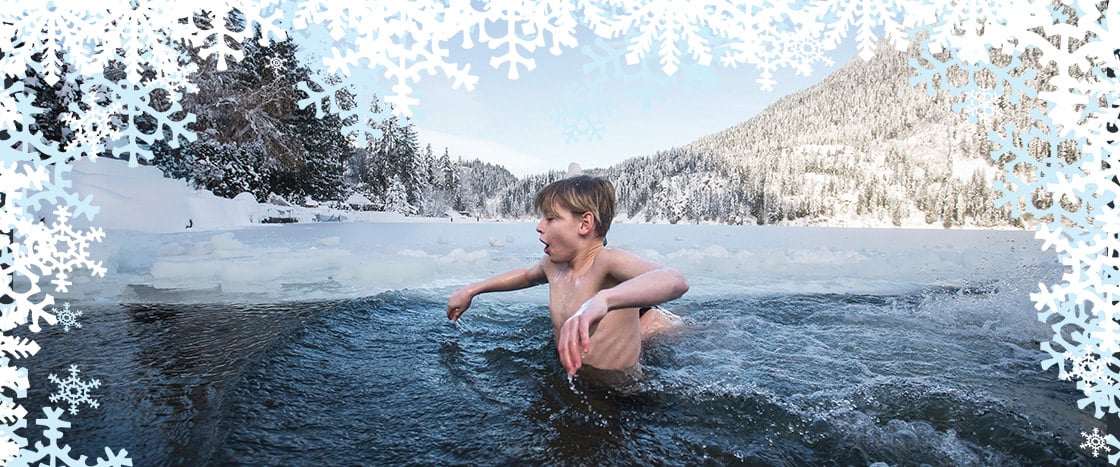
(861, 148)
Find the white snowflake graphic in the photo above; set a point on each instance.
(1091, 370)
(119, 54)
(666, 25)
(363, 45)
(525, 25)
(276, 64)
(74, 391)
(61, 249)
(978, 106)
(67, 317)
(19, 347)
(1095, 442)
(53, 453)
(866, 16)
(971, 27)
(14, 379)
(1079, 112)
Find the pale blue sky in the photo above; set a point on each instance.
(511, 122)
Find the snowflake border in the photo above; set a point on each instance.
(369, 38)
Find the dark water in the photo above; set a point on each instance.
(936, 375)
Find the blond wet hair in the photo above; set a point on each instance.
(580, 194)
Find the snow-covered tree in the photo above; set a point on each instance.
(395, 199)
(253, 105)
(450, 179)
(229, 169)
(53, 99)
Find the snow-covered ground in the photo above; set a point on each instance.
(141, 199)
(226, 255)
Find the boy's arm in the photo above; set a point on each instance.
(510, 280)
(641, 283)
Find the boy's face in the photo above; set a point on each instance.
(560, 233)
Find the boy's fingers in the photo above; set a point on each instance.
(565, 359)
(568, 348)
(573, 360)
(455, 313)
(561, 348)
(579, 344)
(584, 337)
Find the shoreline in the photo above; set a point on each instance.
(141, 199)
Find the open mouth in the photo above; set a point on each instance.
(546, 247)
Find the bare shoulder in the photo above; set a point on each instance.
(539, 272)
(545, 267)
(624, 263)
(618, 254)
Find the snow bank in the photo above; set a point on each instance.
(141, 199)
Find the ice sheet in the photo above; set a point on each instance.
(227, 255)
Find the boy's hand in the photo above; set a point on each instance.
(575, 338)
(458, 303)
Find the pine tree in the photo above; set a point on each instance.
(395, 198)
(408, 161)
(450, 178)
(428, 165)
(253, 105)
(225, 169)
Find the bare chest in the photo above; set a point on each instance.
(568, 291)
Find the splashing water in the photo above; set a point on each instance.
(799, 347)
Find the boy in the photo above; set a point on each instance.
(595, 292)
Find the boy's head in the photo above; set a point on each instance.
(580, 194)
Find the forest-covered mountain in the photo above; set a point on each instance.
(862, 147)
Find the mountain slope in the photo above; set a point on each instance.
(862, 147)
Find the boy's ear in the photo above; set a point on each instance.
(586, 223)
